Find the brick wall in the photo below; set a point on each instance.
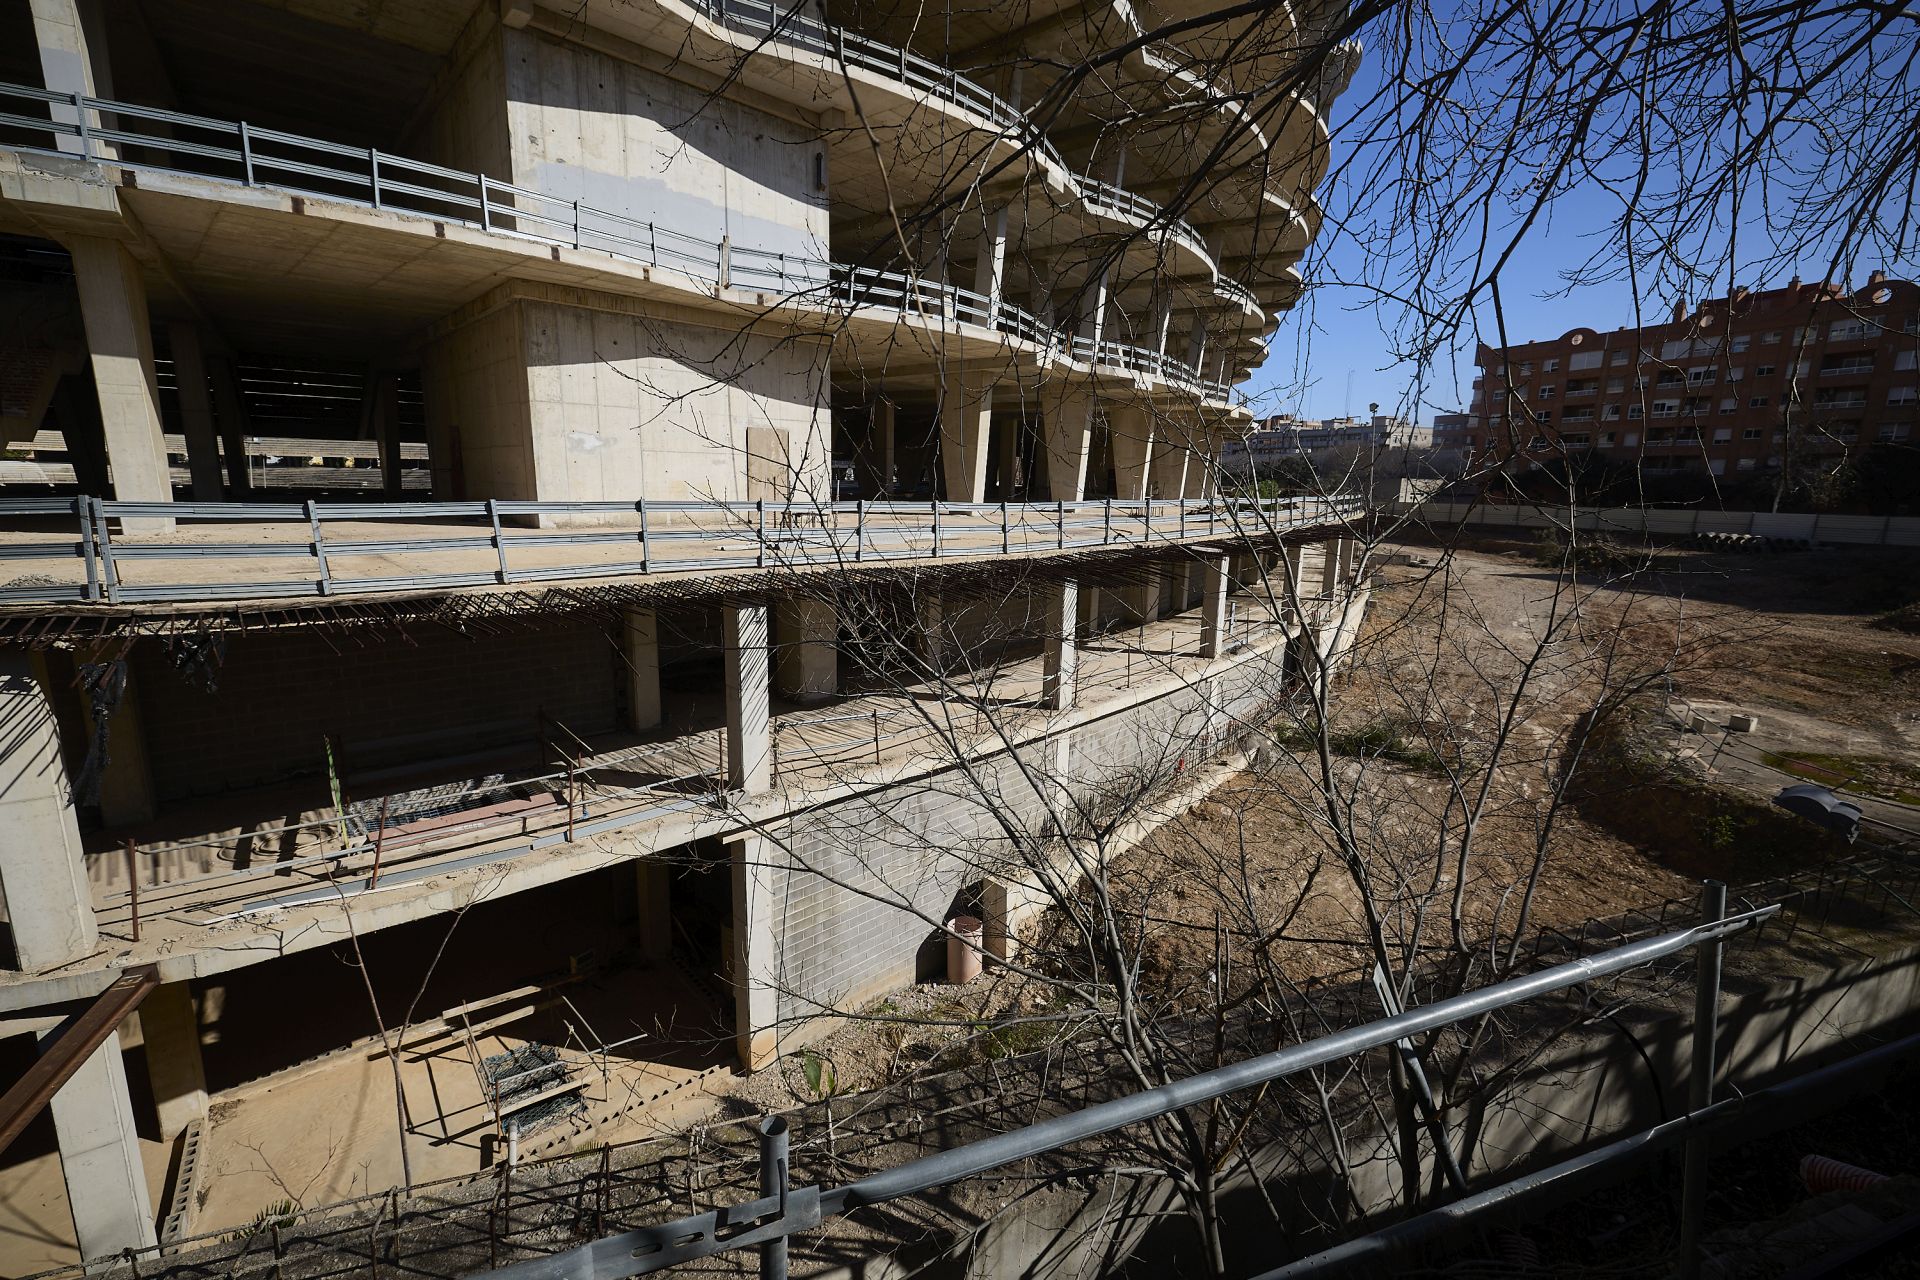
(388, 700)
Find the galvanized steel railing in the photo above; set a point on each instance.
(668, 537)
(269, 158)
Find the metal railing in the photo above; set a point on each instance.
(665, 537)
(791, 26)
(783, 1211)
(221, 150)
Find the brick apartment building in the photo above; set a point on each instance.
(1806, 377)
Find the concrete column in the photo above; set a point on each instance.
(113, 304)
(749, 726)
(1093, 321)
(756, 1007)
(990, 266)
(1213, 608)
(386, 431)
(883, 415)
(1162, 320)
(653, 923)
(1009, 438)
(196, 412)
(1069, 439)
(1349, 559)
(1197, 341)
(930, 611)
(1167, 478)
(1142, 599)
(42, 874)
(1062, 662)
(66, 66)
(232, 413)
(640, 646)
(807, 661)
(1131, 432)
(1330, 568)
(100, 1156)
(1203, 465)
(966, 415)
(170, 1030)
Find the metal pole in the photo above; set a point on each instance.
(773, 1182)
(1706, 1017)
(379, 842)
(133, 888)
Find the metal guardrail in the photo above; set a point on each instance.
(708, 535)
(226, 151)
(783, 1211)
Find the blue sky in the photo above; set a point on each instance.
(1332, 354)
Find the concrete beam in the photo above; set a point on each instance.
(1213, 608)
(1130, 430)
(640, 646)
(1060, 667)
(753, 964)
(113, 304)
(807, 666)
(1069, 439)
(196, 412)
(100, 1156)
(749, 724)
(170, 1032)
(43, 875)
(966, 415)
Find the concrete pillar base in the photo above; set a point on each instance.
(756, 1009)
(49, 905)
(1061, 664)
(749, 724)
(100, 1156)
(641, 648)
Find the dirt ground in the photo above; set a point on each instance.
(1453, 649)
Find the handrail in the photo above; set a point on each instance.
(795, 1209)
(247, 155)
(668, 537)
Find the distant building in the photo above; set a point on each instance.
(1744, 383)
(1452, 430)
(1283, 437)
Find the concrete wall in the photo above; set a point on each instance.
(845, 935)
(586, 126)
(566, 395)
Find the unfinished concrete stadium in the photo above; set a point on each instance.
(545, 547)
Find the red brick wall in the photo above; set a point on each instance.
(389, 701)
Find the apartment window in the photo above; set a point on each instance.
(1903, 361)
(1751, 433)
(1744, 464)
(1665, 408)
(1635, 413)
(1584, 360)
(1722, 435)
(1620, 357)
(1740, 341)
(1616, 385)
(1578, 439)
(1610, 413)
(1718, 466)
(1736, 373)
(1544, 415)
(1779, 437)
(1763, 371)
(1538, 442)
(1890, 432)
(1545, 392)
(1659, 435)
(1757, 402)
(1902, 395)
(1633, 438)
(1843, 329)
(1696, 376)
(1526, 368)
(1729, 404)
(1577, 415)
(1770, 336)
(1675, 350)
(1606, 439)
(1551, 366)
